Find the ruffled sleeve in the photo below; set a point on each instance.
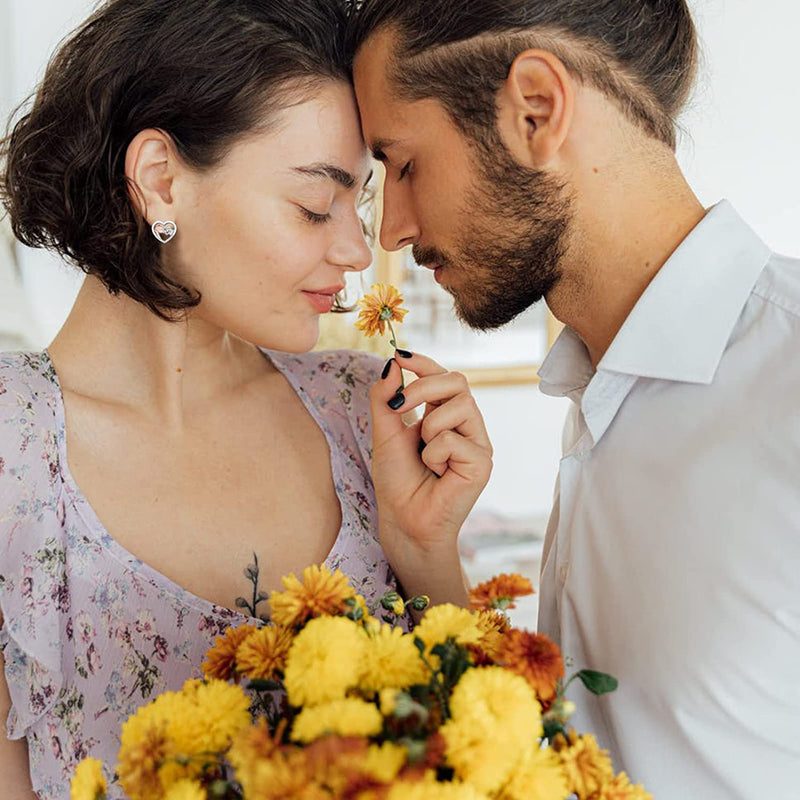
(34, 592)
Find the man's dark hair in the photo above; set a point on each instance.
(204, 71)
(642, 54)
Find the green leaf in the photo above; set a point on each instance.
(552, 727)
(598, 682)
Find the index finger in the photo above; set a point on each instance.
(420, 365)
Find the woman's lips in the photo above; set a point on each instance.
(321, 303)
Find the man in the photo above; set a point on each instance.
(529, 153)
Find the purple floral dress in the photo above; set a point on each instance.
(91, 633)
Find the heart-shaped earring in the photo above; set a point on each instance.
(164, 231)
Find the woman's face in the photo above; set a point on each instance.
(268, 234)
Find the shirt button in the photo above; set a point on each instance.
(563, 572)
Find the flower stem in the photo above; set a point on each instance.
(393, 343)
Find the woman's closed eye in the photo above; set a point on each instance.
(313, 217)
(405, 171)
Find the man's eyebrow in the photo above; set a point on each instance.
(330, 172)
(378, 147)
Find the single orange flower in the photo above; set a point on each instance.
(221, 658)
(499, 592)
(536, 658)
(380, 308)
(321, 592)
(264, 653)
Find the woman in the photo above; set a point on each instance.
(201, 161)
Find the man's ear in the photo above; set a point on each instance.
(151, 164)
(535, 107)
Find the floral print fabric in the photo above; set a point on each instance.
(90, 633)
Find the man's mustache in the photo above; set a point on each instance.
(428, 256)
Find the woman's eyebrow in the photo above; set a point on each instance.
(329, 172)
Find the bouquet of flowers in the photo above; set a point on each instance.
(333, 699)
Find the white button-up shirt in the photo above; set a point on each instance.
(672, 558)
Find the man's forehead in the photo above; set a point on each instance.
(382, 114)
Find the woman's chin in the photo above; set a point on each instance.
(299, 341)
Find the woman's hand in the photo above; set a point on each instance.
(427, 475)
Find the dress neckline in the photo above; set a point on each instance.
(141, 568)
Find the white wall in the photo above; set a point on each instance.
(742, 143)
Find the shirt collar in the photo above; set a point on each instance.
(681, 325)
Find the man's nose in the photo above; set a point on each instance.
(399, 226)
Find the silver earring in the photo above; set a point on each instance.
(164, 231)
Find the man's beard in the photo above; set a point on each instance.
(512, 242)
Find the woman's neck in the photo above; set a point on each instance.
(115, 350)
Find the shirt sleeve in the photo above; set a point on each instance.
(33, 576)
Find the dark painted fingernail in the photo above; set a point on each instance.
(421, 446)
(405, 354)
(397, 401)
(387, 369)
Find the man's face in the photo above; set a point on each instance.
(493, 230)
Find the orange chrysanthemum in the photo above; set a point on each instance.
(320, 592)
(264, 653)
(621, 788)
(500, 592)
(536, 658)
(587, 767)
(221, 658)
(378, 308)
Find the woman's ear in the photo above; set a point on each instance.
(150, 166)
(536, 106)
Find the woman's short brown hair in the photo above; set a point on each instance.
(203, 71)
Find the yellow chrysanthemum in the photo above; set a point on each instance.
(320, 592)
(250, 755)
(540, 776)
(186, 790)
(325, 660)
(387, 699)
(496, 719)
(621, 788)
(264, 652)
(348, 717)
(382, 305)
(391, 660)
(88, 782)
(448, 621)
(492, 626)
(430, 789)
(586, 766)
(221, 658)
(384, 761)
(223, 711)
(160, 741)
